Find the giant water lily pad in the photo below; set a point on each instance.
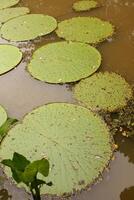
(85, 29)
(85, 5)
(10, 56)
(103, 91)
(9, 13)
(28, 27)
(63, 62)
(76, 142)
(3, 116)
(8, 3)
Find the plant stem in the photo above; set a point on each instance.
(35, 190)
(37, 193)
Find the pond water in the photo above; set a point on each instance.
(20, 93)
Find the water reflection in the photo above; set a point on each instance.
(126, 146)
(127, 194)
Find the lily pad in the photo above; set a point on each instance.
(85, 5)
(75, 140)
(10, 57)
(103, 91)
(8, 3)
(63, 62)
(10, 13)
(90, 30)
(3, 116)
(28, 27)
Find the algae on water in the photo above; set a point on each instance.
(75, 140)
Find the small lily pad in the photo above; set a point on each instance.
(85, 5)
(10, 13)
(90, 30)
(63, 62)
(28, 27)
(3, 116)
(10, 57)
(103, 91)
(8, 3)
(75, 140)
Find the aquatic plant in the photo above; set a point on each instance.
(85, 5)
(75, 140)
(10, 13)
(3, 115)
(28, 27)
(10, 57)
(6, 127)
(64, 62)
(24, 171)
(103, 91)
(90, 30)
(5, 123)
(8, 3)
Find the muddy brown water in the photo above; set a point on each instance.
(20, 93)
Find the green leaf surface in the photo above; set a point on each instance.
(85, 5)
(3, 116)
(10, 13)
(90, 30)
(28, 27)
(75, 140)
(8, 3)
(41, 166)
(8, 163)
(17, 175)
(103, 91)
(10, 57)
(63, 62)
(20, 162)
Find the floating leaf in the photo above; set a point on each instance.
(85, 29)
(103, 91)
(85, 5)
(8, 3)
(10, 56)
(28, 27)
(10, 13)
(75, 140)
(3, 116)
(4, 128)
(63, 62)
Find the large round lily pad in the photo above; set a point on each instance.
(8, 3)
(75, 140)
(28, 27)
(3, 116)
(10, 56)
(10, 13)
(85, 29)
(85, 5)
(103, 91)
(63, 62)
